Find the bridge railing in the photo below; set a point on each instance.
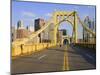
(86, 45)
(27, 49)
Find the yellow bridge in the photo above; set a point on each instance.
(25, 46)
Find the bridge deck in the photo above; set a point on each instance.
(55, 59)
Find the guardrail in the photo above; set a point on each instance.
(27, 49)
(86, 45)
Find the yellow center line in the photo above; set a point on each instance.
(66, 63)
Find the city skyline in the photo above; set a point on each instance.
(29, 11)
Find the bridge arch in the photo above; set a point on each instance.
(67, 19)
(67, 36)
(65, 41)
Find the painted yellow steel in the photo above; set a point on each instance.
(62, 15)
(30, 48)
(75, 27)
(16, 50)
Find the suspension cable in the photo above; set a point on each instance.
(85, 27)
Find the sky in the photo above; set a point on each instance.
(28, 11)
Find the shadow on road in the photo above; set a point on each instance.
(90, 57)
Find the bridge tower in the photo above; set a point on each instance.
(62, 15)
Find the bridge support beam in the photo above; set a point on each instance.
(55, 29)
(75, 28)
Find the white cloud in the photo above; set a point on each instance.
(28, 14)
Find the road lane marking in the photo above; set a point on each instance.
(65, 64)
(41, 57)
(67, 58)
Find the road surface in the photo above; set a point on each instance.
(64, 58)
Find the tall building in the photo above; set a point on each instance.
(30, 28)
(85, 33)
(39, 23)
(20, 24)
(51, 32)
(22, 32)
(87, 37)
(64, 32)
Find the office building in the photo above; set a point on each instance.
(39, 23)
(22, 32)
(87, 37)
